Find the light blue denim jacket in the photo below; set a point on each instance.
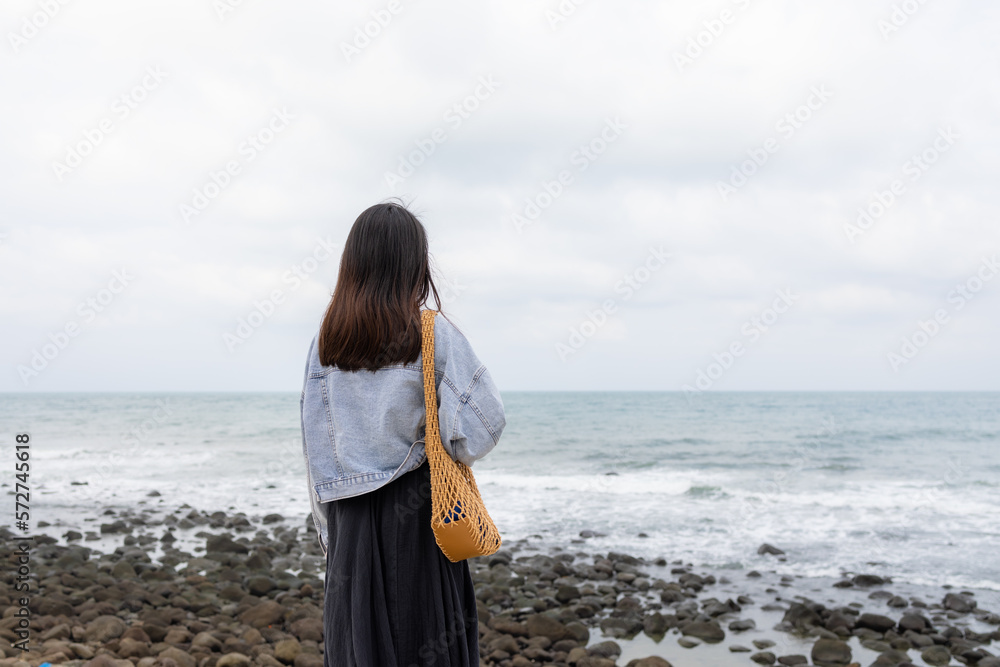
(363, 429)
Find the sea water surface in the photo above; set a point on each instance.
(902, 484)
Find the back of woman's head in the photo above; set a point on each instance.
(373, 319)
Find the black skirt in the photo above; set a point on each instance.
(392, 598)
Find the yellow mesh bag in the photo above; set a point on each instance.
(462, 526)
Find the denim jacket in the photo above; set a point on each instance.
(363, 429)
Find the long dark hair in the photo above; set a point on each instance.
(373, 319)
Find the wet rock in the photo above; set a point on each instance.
(233, 660)
(914, 622)
(688, 642)
(651, 661)
(287, 650)
(179, 657)
(801, 618)
(868, 580)
(768, 549)
(963, 604)
(224, 544)
(739, 648)
(891, 658)
(936, 655)
(763, 643)
(792, 660)
(831, 652)
(742, 625)
(605, 649)
(709, 631)
(876, 622)
(764, 658)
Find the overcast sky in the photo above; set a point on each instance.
(619, 195)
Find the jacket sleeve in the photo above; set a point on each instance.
(318, 515)
(470, 410)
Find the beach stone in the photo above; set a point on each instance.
(793, 660)
(768, 549)
(801, 618)
(651, 661)
(764, 658)
(542, 625)
(914, 622)
(898, 602)
(567, 593)
(743, 625)
(224, 544)
(936, 655)
(963, 604)
(179, 657)
(688, 642)
(132, 648)
(763, 643)
(308, 629)
(891, 658)
(605, 649)
(739, 648)
(287, 650)
(708, 631)
(104, 628)
(233, 660)
(260, 585)
(261, 615)
(868, 580)
(876, 622)
(123, 570)
(831, 652)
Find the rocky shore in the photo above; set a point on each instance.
(251, 593)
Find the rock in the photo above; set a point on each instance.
(104, 628)
(687, 642)
(273, 518)
(651, 661)
(287, 650)
(936, 655)
(897, 602)
(766, 549)
(261, 615)
(831, 652)
(914, 622)
(656, 624)
(764, 658)
(179, 657)
(605, 649)
(743, 625)
(892, 658)
(132, 648)
(876, 622)
(963, 604)
(233, 660)
(224, 544)
(868, 580)
(763, 643)
(260, 585)
(707, 631)
(123, 570)
(308, 629)
(567, 594)
(793, 660)
(801, 618)
(739, 648)
(541, 625)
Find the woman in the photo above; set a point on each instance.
(392, 598)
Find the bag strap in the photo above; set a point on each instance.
(432, 432)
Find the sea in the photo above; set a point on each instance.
(905, 485)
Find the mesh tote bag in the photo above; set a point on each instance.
(462, 526)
